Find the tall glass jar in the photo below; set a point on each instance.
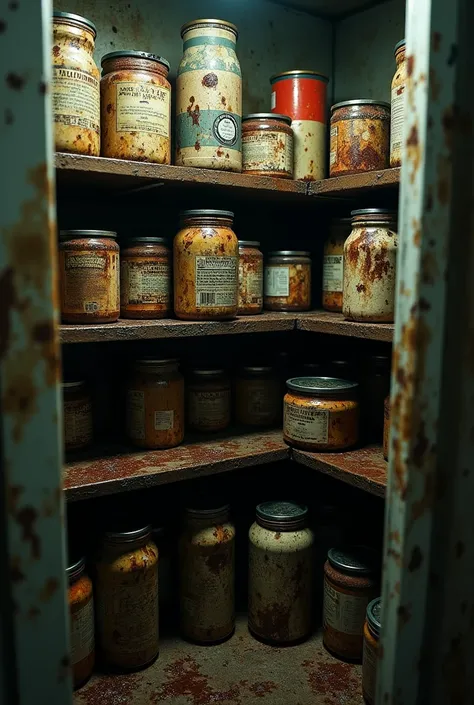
(208, 400)
(287, 283)
(145, 278)
(333, 264)
(398, 105)
(258, 396)
(81, 614)
(209, 97)
(250, 278)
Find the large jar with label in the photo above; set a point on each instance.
(280, 573)
(145, 278)
(206, 266)
(267, 145)
(370, 260)
(209, 97)
(250, 278)
(333, 264)
(370, 657)
(398, 105)
(77, 410)
(75, 89)
(258, 396)
(127, 599)
(155, 404)
(135, 107)
(81, 615)
(360, 137)
(287, 281)
(207, 563)
(208, 400)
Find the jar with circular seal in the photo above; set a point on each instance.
(386, 427)
(208, 396)
(333, 264)
(250, 278)
(209, 97)
(145, 278)
(360, 137)
(398, 105)
(206, 266)
(370, 260)
(89, 276)
(155, 404)
(350, 583)
(75, 88)
(127, 599)
(370, 656)
(287, 282)
(280, 573)
(207, 567)
(136, 107)
(267, 145)
(258, 396)
(81, 615)
(321, 413)
(77, 409)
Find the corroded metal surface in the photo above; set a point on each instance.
(355, 184)
(335, 324)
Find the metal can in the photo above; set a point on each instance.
(77, 410)
(333, 264)
(287, 282)
(398, 105)
(209, 97)
(81, 615)
(127, 599)
(75, 89)
(250, 278)
(360, 137)
(267, 145)
(207, 567)
(135, 107)
(370, 259)
(386, 427)
(280, 573)
(89, 276)
(208, 396)
(302, 96)
(145, 278)
(257, 396)
(206, 266)
(370, 656)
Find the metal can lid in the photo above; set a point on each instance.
(76, 569)
(360, 101)
(248, 243)
(299, 73)
(152, 362)
(148, 240)
(71, 385)
(257, 369)
(320, 386)
(127, 536)
(71, 234)
(399, 44)
(282, 511)
(289, 253)
(207, 511)
(135, 55)
(57, 14)
(205, 212)
(355, 560)
(267, 116)
(221, 23)
(374, 211)
(210, 372)
(341, 221)
(374, 615)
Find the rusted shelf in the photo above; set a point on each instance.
(335, 324)
(355, 184)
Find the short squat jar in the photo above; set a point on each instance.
(145, 279)
(398, 105)
(258, 396)
(208, 400)
(136, 107)
(370, 657)
(267, 145)
(360, 137)
(81, 615)
(77, 411)
(287, 281)
(333, 264)
(280, 573)
(250, 278)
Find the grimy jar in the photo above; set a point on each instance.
(397, 105)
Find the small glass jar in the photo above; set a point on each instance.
(280, 573)
(127, 599)
(370, 657)
(81, 615)
(250, 278)
(267, 145)
(89, 276)
(135, 107)
(257, 396)
(376, 386)
(208, 397)
(386, 427)
(155, 404)
(287, 283)
(321, 413)
(333, 264)
(360, 137)
(145, 279)
(350, 583)
(77, 409)
(398, 105)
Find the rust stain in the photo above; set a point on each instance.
(436, 41)
(27, 517)
(14, 81)
(210, 80)
(330, 680)
(410, 65)
(7, 297)
(116, 689)
(404, 615)
(48, 589)
(416, 559)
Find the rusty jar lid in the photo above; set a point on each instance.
(360, 101)
(208, 373)
(207, 512)
(209, 22)
(299, 73)
(258, 369)
(282, 516)
(206, 213)
(321, 386)
(75, 570)
(353, 560)
(374, 615)
(289, 253)
(248, 243)
(147, 240)
(135, 55)
(149, 362)
(378, 214)
(117, 537)
(267, 116)
(72, 234)
(69, 16)
(399, 45)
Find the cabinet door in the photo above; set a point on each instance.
(34, 664)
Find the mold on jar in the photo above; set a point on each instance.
(267, 145)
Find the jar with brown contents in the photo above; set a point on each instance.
(287, 284)
(89, 276)
(333, 264)
(75, 88)
(257, 396)
(386, 427)
(206, 266)
(360, 137)
(208, 397)
(267, 145)
(250, 278)
(81, 614)
(136, 107)
(77, 409)
(398, 105)
(145, 279)
(155, 404)
(370, 658)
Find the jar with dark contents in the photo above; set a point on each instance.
(333, 264)
(370, 657)
(81, 615)
(89, 276)
(287, 282)
(267, 145)
(258, 396)
(208, 400)
(77, 409)
(398, 105)
(386, 427)
(145, 279)
(360, 137)
(250, 278)
(376, 386)
(136, 107)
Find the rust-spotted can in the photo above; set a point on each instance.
(207, 566)
(280, 572)
(302, 96)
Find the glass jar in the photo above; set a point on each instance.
(333, 264)
(398, 105)
(350, 583)
(370, 259)
(280, 573)
(206, 266)
(135, 107)
(75, 89)
(386, 427)
(155, 404)
(81, 615)
(321, 413)
(360, 137)
(208, 394)
(267, 145)
(250, 278)
(375, 389)
(89, 276)
(257, 396)
(145, 279)
(287, 283)
(370, 657)
(77, 410)
(207, 567)
(209, 97)
(127, 599)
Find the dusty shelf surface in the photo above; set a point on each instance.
(355, 184)
(335, 324)
(241, 671)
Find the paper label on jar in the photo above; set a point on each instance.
(77, 423)
(76, 98)
(260, 400)
(333, 272)
(344, 613)
(143, 107)
(274, 100)
(84, 261)
(216, 280)
(369, 671)
(396, 117)
(277, 281)
(266, 150)
(303, 424)
(250, 285)
(333, 146)
(207, 408)
(82, 632)
(145, 283)
(136, 414)
(164, 420)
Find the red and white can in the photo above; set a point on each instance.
(302, 96)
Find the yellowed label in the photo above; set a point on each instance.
(267, 151)
(76, 98)
(333, 272)
(303, 424)
(77, 423)
(143, 107)
(250, 286)
(91, 282)
(333, 146)
(164, 420)
(145, 283)
(216, 280)
(84, 261)
(209, 408)
(260, 400)
(396, 117)
(136, 414)
(277, 281)
(344, 613)
(369, 671)
(82, 632)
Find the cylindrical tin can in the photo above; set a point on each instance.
(386, 427)
(145, 278)
(81, 614)
(250, 278)
(209, 97)
(302, 96)
(257, 396)
(267, 145)
(360, 137)
(370, 656)
(280, 573)
(207, 561)
(208, 397)
(398, 105)
(287, 282)
(77, 409)
(333, 264)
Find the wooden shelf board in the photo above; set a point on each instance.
(355, 184)
(335, 324)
